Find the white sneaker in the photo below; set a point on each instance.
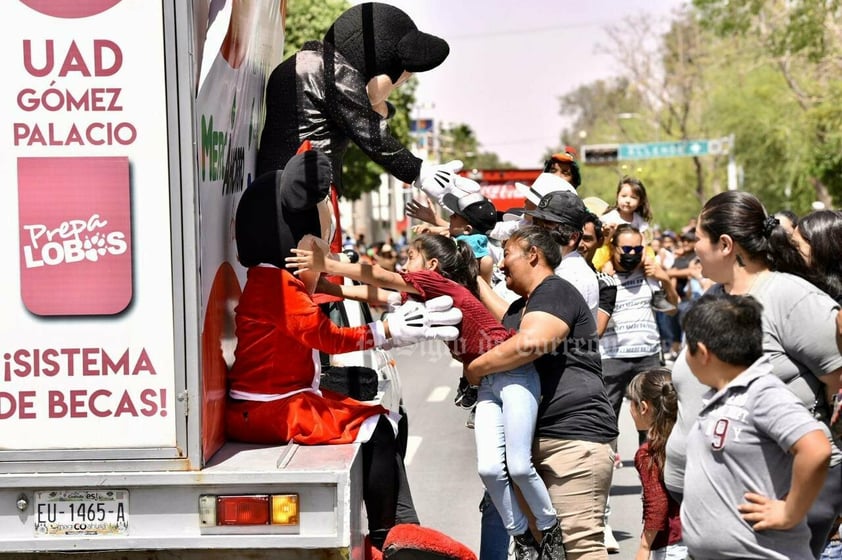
(611, 544)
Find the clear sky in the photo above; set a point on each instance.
(510, 61)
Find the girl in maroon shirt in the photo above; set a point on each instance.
(654, 406)
(437, 265)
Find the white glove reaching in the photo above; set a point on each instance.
(416, 322)
(434, 179)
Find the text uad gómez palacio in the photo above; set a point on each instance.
(51, 63)
(79, 383)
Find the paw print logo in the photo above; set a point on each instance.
(94, 247)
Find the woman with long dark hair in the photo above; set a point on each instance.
(818, 236)
(747, 252)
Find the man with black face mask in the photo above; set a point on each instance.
(631, 343)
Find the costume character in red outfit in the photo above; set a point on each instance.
(274, 382)
(334, 91)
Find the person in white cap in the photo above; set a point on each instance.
(545, 184)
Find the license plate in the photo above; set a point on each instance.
(81, 512)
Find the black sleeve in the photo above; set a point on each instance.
(607, 293)
(347, 103)
(557, 297)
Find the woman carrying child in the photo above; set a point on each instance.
(508, 401)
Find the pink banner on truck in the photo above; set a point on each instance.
(87, 337)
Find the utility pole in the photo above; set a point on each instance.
(733, 182)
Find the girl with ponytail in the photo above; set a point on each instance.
(654, 406)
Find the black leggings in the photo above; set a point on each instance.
(388, 500)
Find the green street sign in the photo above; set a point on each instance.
(685, 148)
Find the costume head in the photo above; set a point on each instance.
(281, 207)
(380, 39)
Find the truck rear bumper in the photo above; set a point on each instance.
(163, 507)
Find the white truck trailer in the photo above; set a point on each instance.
(129, 131)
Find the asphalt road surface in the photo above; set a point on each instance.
(441, 455)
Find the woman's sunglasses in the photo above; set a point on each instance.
(631, 248)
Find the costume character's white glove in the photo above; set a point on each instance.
(463, 186)
(434, 179)
(414, 322)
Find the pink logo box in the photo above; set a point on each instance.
(75, 235)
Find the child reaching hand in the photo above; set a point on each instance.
(507, 404)
(654, 407)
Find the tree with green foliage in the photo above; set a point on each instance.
(796, 45)
(458, 141)
(767, 72)
(309, 20)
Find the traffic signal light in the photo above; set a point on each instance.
(600, 154)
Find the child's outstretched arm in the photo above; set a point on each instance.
(811, 454)
(359, 292)
(315, 259)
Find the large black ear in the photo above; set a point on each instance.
(279, 208)
(305, 182)
(421, 51)
(369, 37)
(256, 222)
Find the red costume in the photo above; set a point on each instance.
(275, 378)
(273, 384)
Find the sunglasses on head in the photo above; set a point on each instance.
(631, 248)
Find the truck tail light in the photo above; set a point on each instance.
(258, 509)
(284, 509)
(242, 510)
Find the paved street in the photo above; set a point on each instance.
(441, 458)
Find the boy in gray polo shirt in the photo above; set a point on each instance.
(756, 458)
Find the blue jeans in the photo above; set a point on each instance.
(669, 328)
(494, 540)
(580, 475)
(504, 427)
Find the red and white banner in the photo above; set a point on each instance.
(503, 195)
